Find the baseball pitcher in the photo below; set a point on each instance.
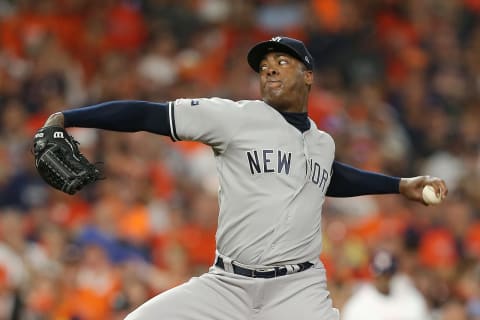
(275, 168)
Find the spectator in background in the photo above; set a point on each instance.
(388, 296)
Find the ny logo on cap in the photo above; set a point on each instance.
(276, 39)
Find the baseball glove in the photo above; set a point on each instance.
(59, 161)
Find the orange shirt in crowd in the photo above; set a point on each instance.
(437, 249)
(134, 225)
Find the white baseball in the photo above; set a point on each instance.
(430, 196)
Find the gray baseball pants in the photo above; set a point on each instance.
(220, 295)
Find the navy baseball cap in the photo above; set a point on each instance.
(384, 263)
(293, 47)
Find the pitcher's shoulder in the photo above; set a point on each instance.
(252, 103)
(321, 133)
(237, 103)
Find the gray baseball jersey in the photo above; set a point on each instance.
(273, 180)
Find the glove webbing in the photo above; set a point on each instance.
(51, 160)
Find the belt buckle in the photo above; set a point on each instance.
(265, 271)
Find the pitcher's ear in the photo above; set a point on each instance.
(308, 76)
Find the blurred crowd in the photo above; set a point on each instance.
(397, 86)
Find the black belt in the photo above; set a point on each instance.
(270, 272)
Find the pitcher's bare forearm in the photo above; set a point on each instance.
(55, 119)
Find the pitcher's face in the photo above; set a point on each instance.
(284, 81)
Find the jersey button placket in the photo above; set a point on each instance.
(306, 155)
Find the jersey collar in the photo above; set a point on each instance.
(297, 119)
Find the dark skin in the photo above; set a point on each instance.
(285, 85)
(382, 283)
(285, 82)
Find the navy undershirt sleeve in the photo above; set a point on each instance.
(348, 181)
(121, 115)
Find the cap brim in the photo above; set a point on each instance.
(258, 52)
